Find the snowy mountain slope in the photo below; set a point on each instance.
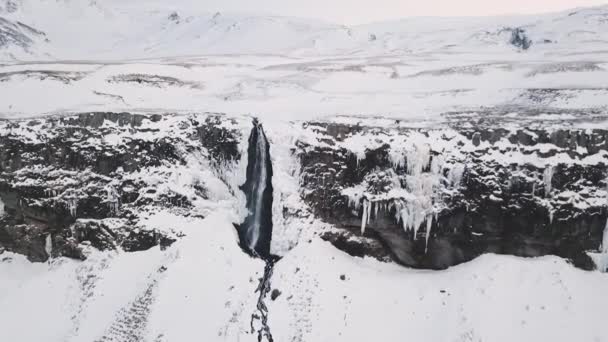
(18, 39)
(121, 30)
(294, 68)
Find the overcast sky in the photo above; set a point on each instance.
(365, 11)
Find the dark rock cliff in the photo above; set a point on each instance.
(82, 180)
(426, 197)
(439, 197)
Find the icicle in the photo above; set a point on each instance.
(547, 179)
(72, 206)
(418, 159)
(113, 199)
(397, 159)
(429, 225)
(365, 215)
(455, 175)
(48, 246)
(376, 209)
(437, 164)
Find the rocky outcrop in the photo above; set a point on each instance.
(520, 39)
(437, 197)
(68, 182)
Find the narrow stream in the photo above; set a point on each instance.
(261, 317)
(256, 231)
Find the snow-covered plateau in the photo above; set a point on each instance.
(173, 175)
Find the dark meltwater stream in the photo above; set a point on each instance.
(256, 231)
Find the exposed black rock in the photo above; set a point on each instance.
(520, 39)
(152, 80)
(218, 140)
(61, 76)
(275, 294)
(174, 17)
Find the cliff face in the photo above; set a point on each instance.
(425, 197)
(437, 197)
(75, 181)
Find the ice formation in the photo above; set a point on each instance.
(48, 245)
(547, 179)
(455, 175)
(366, 214)
(415, 203)
(72, 206)
(113, 199)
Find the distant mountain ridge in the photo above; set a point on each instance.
(45, 29)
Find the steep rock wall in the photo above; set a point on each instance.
(82, 180)
(437, 197)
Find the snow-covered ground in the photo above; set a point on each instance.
(203, 289)
(200, 290)
(281, 88)
(329, 296)
(290, 68)
(282, 70)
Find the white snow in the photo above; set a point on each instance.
(48, 245)
(547, 179)
(205, 293)
(493, 298)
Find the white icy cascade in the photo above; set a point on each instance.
(414, 212)
(1, 207)
(415, 202)
(48, 245)
(72, 206)
(366, 214)
(259, 187)
(455, 175)
(547, 179)
(113, 199)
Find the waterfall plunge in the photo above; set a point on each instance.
(256, 231)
